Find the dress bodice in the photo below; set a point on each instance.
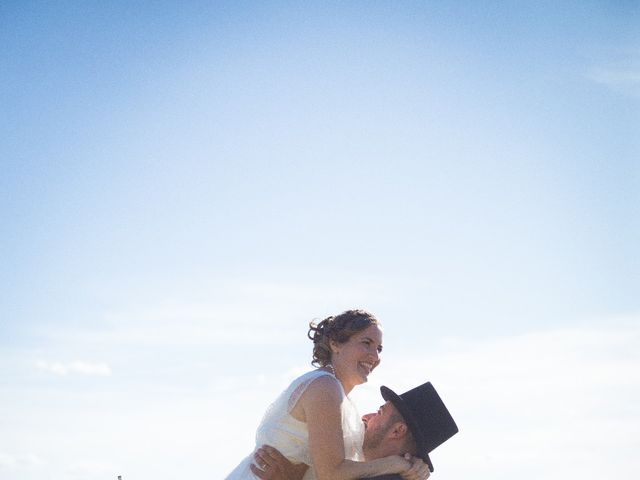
(290, 436)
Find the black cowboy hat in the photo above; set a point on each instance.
(426, 416)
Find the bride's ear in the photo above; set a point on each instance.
(334, 346)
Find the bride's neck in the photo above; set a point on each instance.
(347, 387)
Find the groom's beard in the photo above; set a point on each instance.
(374, 438)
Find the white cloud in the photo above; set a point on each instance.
(85, 469)
(11, 461)
(81, 368)
(623, 81)
(7, 460)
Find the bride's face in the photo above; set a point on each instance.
(355, 359)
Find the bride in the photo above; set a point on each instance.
(313, 421)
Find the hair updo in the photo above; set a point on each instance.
(338, 328)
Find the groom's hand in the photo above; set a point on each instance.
(270, 464)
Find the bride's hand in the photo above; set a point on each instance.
(397, 464)
(418, 471)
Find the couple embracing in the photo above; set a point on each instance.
(314, 432)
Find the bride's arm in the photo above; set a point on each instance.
(321, 405)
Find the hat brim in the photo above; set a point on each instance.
(391, 396)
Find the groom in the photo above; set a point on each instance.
(415, 422)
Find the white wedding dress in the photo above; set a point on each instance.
(280, 430)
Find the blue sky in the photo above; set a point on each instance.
(184, 186)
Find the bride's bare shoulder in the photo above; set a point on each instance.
(325, 389)
(325, 382)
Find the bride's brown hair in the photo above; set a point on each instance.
(338, 328)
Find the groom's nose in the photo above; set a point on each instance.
(366, 417)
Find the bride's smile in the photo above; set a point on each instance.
(355, 359)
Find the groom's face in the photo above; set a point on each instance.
(377, 425)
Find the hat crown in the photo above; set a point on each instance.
(430, 414)
(426, 416)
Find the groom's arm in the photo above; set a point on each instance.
(393, 476)
(419, 469)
